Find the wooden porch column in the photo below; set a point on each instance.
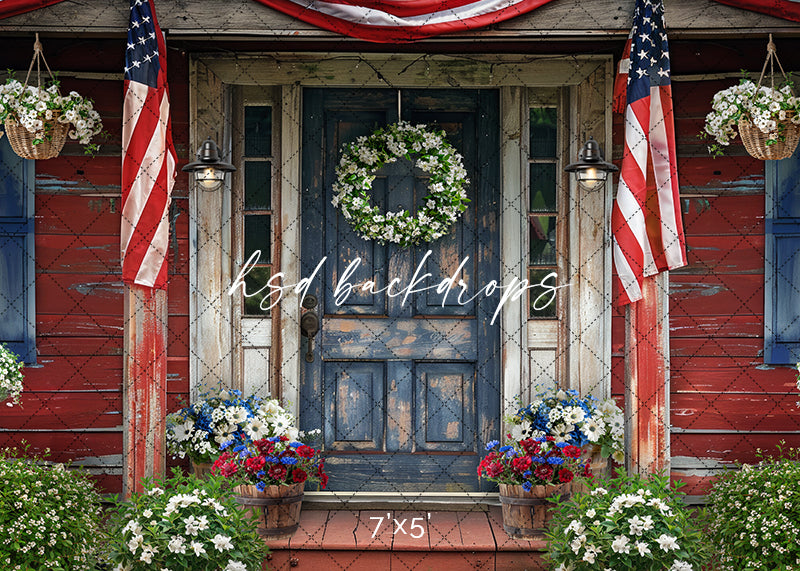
(144, 385)
(647, 378)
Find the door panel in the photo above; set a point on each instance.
(406, 387)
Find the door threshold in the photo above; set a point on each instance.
(439, 501)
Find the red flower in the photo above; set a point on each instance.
(587, 470)
(565, 476)
(277, 472)
(521, 464)
(228, 469)
(494, 469)
(306, 451)
(572, 451)
(530, 446)
(264, 446)
(254, 464)
(299, 476)
(324, 480)
(544, 472)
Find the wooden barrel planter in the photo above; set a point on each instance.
(201, 469)
(600, 469)
(276, 509)
(526, 514)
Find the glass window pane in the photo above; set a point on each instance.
(542, 296)
(543, 240)
(543, 187)
(257, 185)
(258, 131)
(256, 281)
(543, 131)
(257, 236)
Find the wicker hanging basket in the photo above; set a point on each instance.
(780, 143)
(47, 142)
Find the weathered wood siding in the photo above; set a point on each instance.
(72, 402)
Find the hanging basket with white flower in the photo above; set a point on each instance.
(38, 119)
(432, 153)
(767, 118)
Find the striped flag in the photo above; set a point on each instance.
(646, 219)
(148, 155)
(402, 20)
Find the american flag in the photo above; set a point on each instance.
(148, 155)
(646, 219)
(402, 20)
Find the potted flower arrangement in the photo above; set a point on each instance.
(626, 523)
(49, 515)
(184, 523)
(38, 119)
(529, 472)
(766, 117)
(218, 417)
(10, 376)
(753, 514)
(269, 476)
(595, 426)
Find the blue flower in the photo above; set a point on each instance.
(538, 460)
(506, 448)
(224, 445)
(261, 486)
(273, 439)
(562, 444)
(555, 461)
(239, 448)
(289, 461)
(527, 486)
(260, 474)
(492, 444)
(526, 474)
(295, 444)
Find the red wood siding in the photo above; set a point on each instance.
(724, 402)
(72, 403)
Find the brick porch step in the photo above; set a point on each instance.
(342, 540)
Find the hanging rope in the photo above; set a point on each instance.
(38, 54)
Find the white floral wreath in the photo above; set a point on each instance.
(446, 200)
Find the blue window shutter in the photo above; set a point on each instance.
(782, 262)
(17, 263)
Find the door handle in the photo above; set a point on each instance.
(309, 326)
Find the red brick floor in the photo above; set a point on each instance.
(340, 540)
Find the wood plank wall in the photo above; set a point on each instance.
(72, 402)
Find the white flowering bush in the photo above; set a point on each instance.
(429, 150)
(184, 523)
(769, 109)
(10, 376)
(34, 107)
(568, 418)
(754, 515)
(626, 523)
(219, 417)
(49, 515)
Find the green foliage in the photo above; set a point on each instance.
(627, 523)
(10, 376)
(753, 514)
(184, 523)
(49, 515)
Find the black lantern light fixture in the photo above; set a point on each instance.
(591, 170)
(209, 169)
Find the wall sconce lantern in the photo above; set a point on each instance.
(209, 170)
(591, 170)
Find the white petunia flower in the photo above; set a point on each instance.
(221, 542)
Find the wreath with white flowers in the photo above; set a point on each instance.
(444, 203)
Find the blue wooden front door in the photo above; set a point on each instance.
(406, 391)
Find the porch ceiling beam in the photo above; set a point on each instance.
(403, 70)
